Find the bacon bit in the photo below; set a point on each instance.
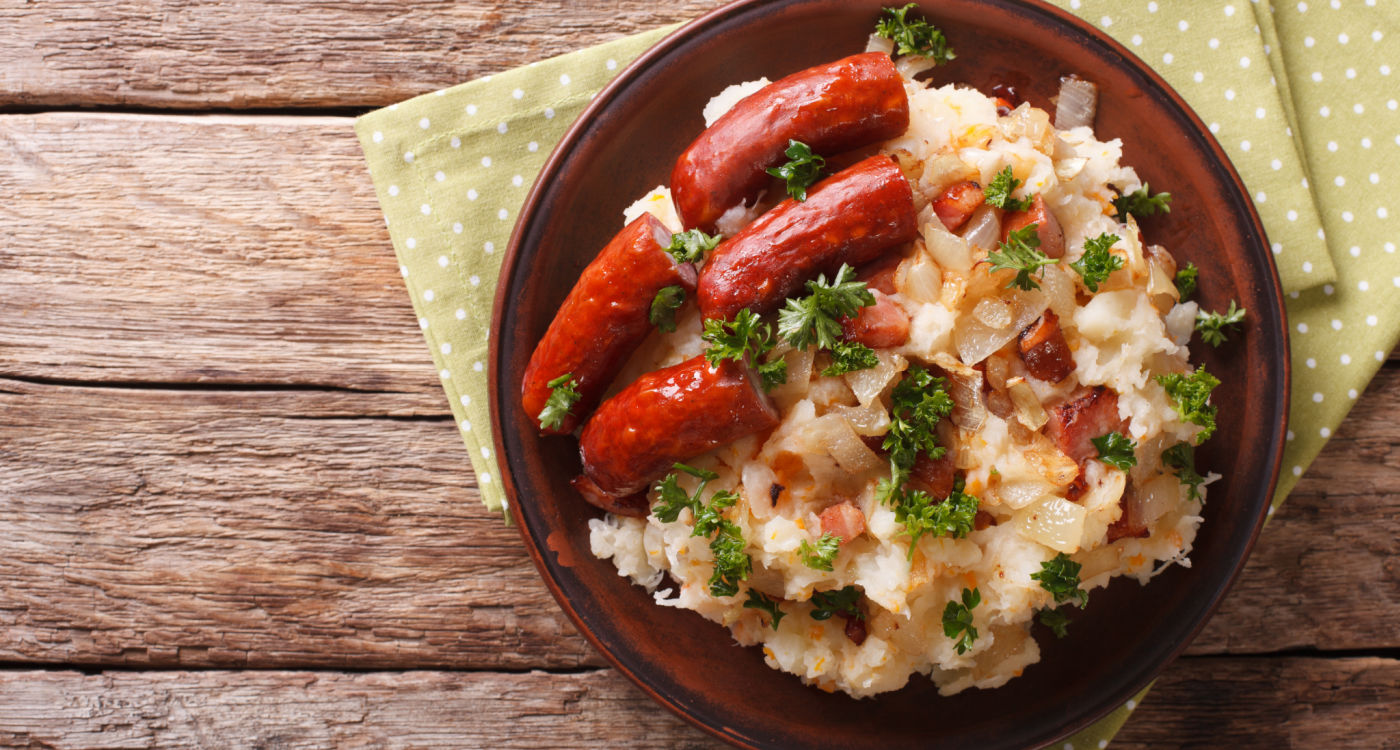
(1044, 349)
(1129, 525)
(957, 203)
(983, 520)
(937, 476)
(879, 274)
(843, 520)
(1076, 422)
(879, 326)
(1052, 238)
(855, 630)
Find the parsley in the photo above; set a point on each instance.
(1060, 576)
(1115, 449)
(800, 170)
(1186, 280)
(817, 317)
(844, 602)
(1056, 620)
(1212, 325)
(691, 245)
(664, 306)
(561, 400)
(1019, 253)
(757, 600)
(913, 37)
(1097, 262)
(745, 337)
(1190, 394)
(821, 556)
(957, 618)
(921, 514)
(1141, 203)
(849, 357)
(998, 193)
(1182, 457)
(732, 564)
(920, 400)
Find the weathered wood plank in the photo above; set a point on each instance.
(1201, 702)
(187, 249)
(200, 55)
(256, 529)
(290, 529)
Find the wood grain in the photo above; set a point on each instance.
(1202, 702)
(304, 528)
(267, 54)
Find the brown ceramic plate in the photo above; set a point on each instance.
(626, 143)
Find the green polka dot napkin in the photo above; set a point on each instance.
(1303, 97)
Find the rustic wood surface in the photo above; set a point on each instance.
(225, 459)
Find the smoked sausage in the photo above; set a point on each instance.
(670, 415)
(851, 217)
(604, 319)
(832, 108)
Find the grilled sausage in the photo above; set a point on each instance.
(956, 204)
(604, 319)
(1047, 227)
(669, 415)
(1044, 349)
(851, 217)
(832, 108)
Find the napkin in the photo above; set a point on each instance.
(1301, 96)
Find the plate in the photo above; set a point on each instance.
(625, 144)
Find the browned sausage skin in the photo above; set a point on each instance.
(604, 319)
(670, 415)
(851, 217)
(832, 108)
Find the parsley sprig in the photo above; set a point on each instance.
(744, 338)
(732, 564)
(1019, 253)
(561, 399)
(1056, 620)
(1097, 262)
(1182, 457)
(821, 556)
(1116, 449)
(957, 619)
(664, 306)
(817, 317)
(1186, 280)
(913, 37)
(1060, 576)
(918, 402)
(998, 193)
(1142, 203)
(800, 170)
(1190, 394)
(758, 600)
(849, 356)
(1212, 325)
(691, 245)
(844, 602)
(921, 514)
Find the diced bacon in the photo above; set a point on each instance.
(878, 326)
(982, 520)
(1076, 422)
(1129, 525)
(955, 206)
(879, 274)
(1044, 349)
(843, 520)
(855, 629)
(937, 476)
(1047, 228)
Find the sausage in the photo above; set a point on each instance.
(878, 326)
(851, 217)
(604, 319)
(1044, 349)
(670, 415)
(832, 108)
(1047, 228)
(955, 205)
(1076, 422)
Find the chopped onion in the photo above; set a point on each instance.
(1059, 291)
(983, 229)
(965, 387)
(877, 43)
(1054, 465)
(1029, 410)
(993, 312)
(832, 434)
(1154, 499)
(919, 278)
(912, 65)
(946, 248)
(799, 378)
(1068, 169)
(865, 420)
(1056, 523)
(1031, 123)
(869, 383)
(1077, 103)
(1019, 494)
(975, 340)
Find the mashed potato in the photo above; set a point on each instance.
(1035, 502)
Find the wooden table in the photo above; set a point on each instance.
(236, 509)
